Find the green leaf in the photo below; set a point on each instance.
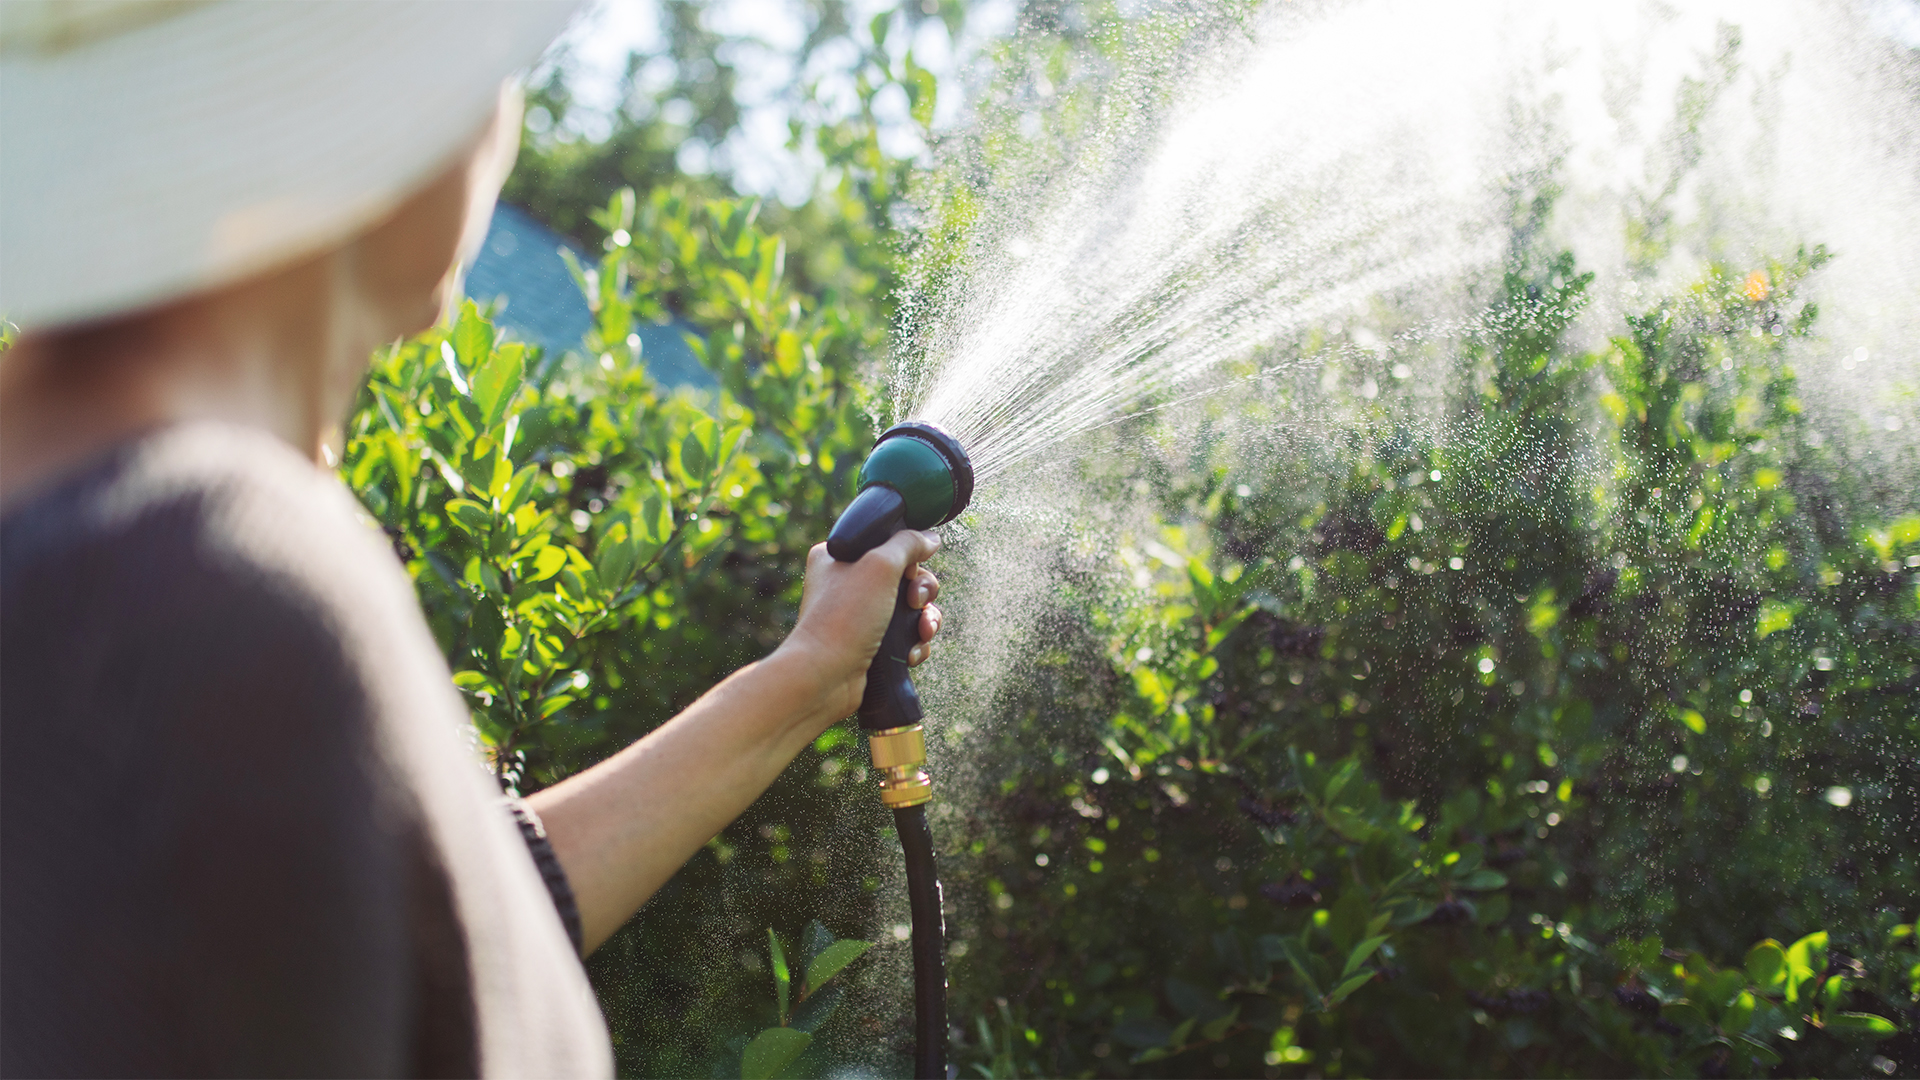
(502, 479)
(470, 515)
(472, 336)
(655, 522)
(1806, 959)
(731, 442)
(1857, 1023)
(771, 1051)
(1774, 617)
(1767, 965)
(1226, 626)
(693, 455)
(923, 91)
(782, 980)
(554, 704)
(548, 562)
(1721, 989)
(1482, 880)
(496, 381)
(1685, 1013)
(1739, 1013)
(1832, 990)
(1360, 953)
(518, 490)
(485, 628)
(1216, 1029)
(1341, 777)
(616, 558)
(1347, 922)
(831, 959)
(1346, 989)
(1182, 1033)
(1291, 950)
(1765, 1054)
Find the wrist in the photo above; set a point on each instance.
(805, 677)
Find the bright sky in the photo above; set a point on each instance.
(774, 30)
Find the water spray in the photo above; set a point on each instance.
(917, 477)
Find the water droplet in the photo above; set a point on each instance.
(1679, 763)
(1839, 796)
(1041, 859)
(1456, 563)
(1486, 663)
(1100, 776)
(1746, 696)
(1762, 785)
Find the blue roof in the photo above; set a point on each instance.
(520, 271)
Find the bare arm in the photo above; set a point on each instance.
(623, 827)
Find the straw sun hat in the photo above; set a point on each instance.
(150, 150)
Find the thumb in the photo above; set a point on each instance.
(907, 547)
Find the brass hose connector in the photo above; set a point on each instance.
(900, 756)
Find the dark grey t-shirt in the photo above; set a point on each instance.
(240, 830)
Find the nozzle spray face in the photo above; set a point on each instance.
(917, 477)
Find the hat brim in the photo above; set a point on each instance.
(205, 148)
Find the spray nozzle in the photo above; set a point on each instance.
(917, 477)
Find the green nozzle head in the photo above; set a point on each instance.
(916, 478)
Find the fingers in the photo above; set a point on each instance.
(925, 588)
(929, 626)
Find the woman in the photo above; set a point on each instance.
(240, 831)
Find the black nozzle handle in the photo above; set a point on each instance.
(869, 520)
(890, 700)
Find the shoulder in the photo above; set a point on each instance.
(198, 520)
(211, 561)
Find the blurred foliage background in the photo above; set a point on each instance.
(1410, 750)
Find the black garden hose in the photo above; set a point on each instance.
(929, 944)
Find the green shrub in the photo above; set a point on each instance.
(1430, 754)
(594, 551)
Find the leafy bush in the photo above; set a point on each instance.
(1465, 753)
(593, 551)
